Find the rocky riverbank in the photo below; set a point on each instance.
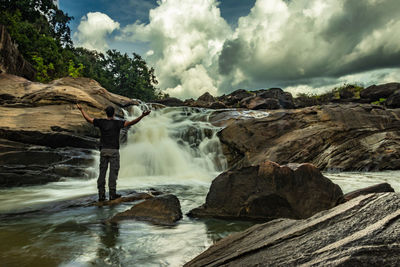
(43, 136)
(332, 137)
(361, 232)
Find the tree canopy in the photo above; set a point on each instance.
(44, 39)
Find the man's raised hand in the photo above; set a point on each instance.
(145, 113)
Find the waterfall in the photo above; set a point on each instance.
(174, 144)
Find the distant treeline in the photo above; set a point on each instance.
(44, 38)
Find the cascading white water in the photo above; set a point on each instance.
(169, 146)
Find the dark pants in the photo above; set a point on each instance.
(108, 156)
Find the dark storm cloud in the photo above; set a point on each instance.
(299, 44)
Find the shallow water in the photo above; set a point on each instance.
(173, 151)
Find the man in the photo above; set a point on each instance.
(109, 149)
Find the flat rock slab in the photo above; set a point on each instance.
(163, 210)
(361, 232)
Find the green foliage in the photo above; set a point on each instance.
(347, 91)
(380, 102)
(43, 71)
(119, 73)
(44, 39)
(73, 71)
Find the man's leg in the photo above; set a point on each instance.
(112, 180)
(101, 181)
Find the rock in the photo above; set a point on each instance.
(11, 60)
(361, 232)
(43, 136)
(256, 102)
(24, 164)
(206, 97)
(129, 198)
(170, 102)
(332, 137)
(217, 105)
(233, 99)
(393, 100)
(164, 210)
(379, 188)
(45, 114)
(376, 92)
(268, 191)
(285, 99)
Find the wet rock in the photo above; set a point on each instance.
(332, 137)
(24, 164)
(44, 137)
(361, 232)
(129, 198)
(376, 92)
(170, 102)
(164, 210)
(379, 188)
(268, 191)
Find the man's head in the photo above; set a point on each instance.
(110, 111)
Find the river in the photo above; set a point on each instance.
(174, 150)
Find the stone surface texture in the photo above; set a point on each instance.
(163, 210)
(332, 137)
(268, 191)
(362, 232)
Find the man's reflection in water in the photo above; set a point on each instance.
(108, 252)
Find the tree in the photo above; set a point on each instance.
(131, 76)
(44, 39)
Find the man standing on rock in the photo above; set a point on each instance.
(109, 148)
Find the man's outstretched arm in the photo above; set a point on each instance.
(144, 114)
(84, 114)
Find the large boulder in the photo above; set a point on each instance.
(39, 123)
(361, 232)
(376, 92)
(285, 99)
(11, 60)
(164, 210)
(206, 97)
(45, 114)
(332, 137)
(233, 99)
(268, 191)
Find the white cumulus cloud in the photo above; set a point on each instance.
(301, 45)
(93, 31)
(185, 38)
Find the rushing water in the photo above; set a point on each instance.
(174, 150)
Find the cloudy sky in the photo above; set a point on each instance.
(199, 46)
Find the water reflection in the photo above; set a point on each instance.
(108, 252)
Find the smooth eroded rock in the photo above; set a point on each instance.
(268, 191)
(164, 210)
(362, 232)
(332, 137)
